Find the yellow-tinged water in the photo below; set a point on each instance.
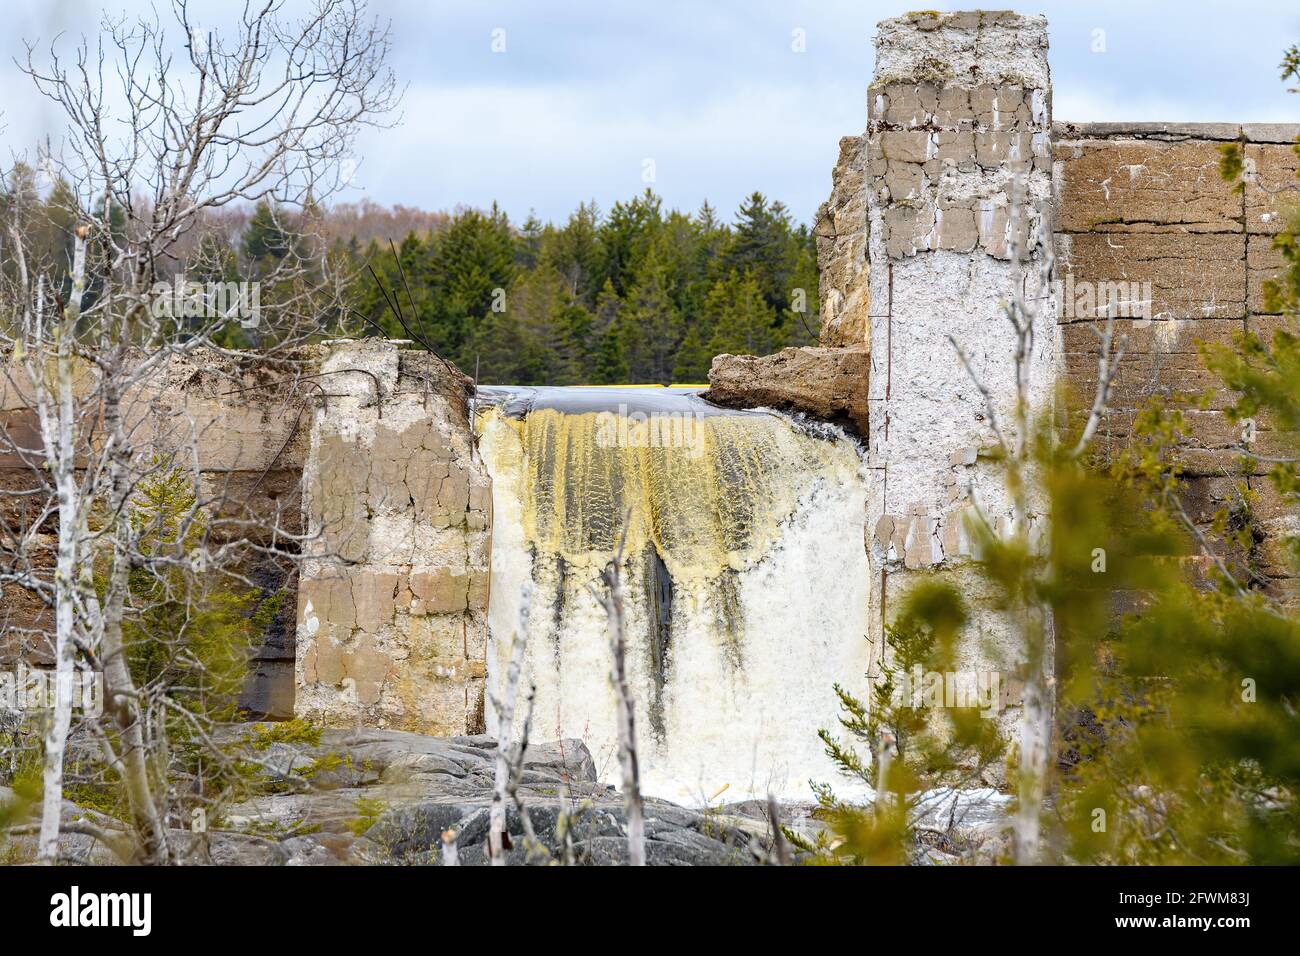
(744, 570)
(709, 493)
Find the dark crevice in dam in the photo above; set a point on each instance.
(659, 588)
(557, 605)
(728, 616)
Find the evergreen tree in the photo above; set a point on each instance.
(764, 246)
(266, 238)
(472, 265)
(743, 322)
(641, 295)
(653, 323)
(528, 249)
(694, 357)
(626, 237)
(610, 359)
(575, 252)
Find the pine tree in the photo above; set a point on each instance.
(528, 248)
(473, 264)
(626, 238)
(694, 357)
(682, 288)
(610, 365)
(764, 246)
(743, 322)
(653, 323)
(575, 252)
(266, 239)
(577, 343)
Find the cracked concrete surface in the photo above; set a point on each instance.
(392, 602)
(1145, 202)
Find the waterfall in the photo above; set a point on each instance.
(744, 569)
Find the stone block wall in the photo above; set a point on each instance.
(1142, 207)
(392, 599)
(385, 621)
(1138, 206)
(22, 616)
(248, 424)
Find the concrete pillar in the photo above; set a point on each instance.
(392, 599)
(959, 122)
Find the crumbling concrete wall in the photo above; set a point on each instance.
(25, 620)
(392, 599)
(249, 423)
(241, 425)
(959, 102)
(958, 177)
(1144, 209)
(384, 618)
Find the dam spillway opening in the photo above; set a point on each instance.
(744, 570)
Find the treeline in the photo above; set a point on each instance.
(638, 295)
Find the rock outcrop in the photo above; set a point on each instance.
(826, 383)
(386, 797)
(841, 231)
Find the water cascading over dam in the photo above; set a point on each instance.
(744, 569)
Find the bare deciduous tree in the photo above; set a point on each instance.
(160, 138)
(1015, 449)
(612, 600)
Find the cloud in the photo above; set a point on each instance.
(549, 148)
(713, 93)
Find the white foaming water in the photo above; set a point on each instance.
(746, 581)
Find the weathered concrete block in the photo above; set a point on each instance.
(1272, 170)
(1263, 262)
(1266, 326)
(439, 591)
(1144, 186)
(1184, 276)
(390, 629)
(1161, 338)
(1065, 131)
(972, 47)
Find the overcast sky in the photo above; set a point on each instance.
(586, 91)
